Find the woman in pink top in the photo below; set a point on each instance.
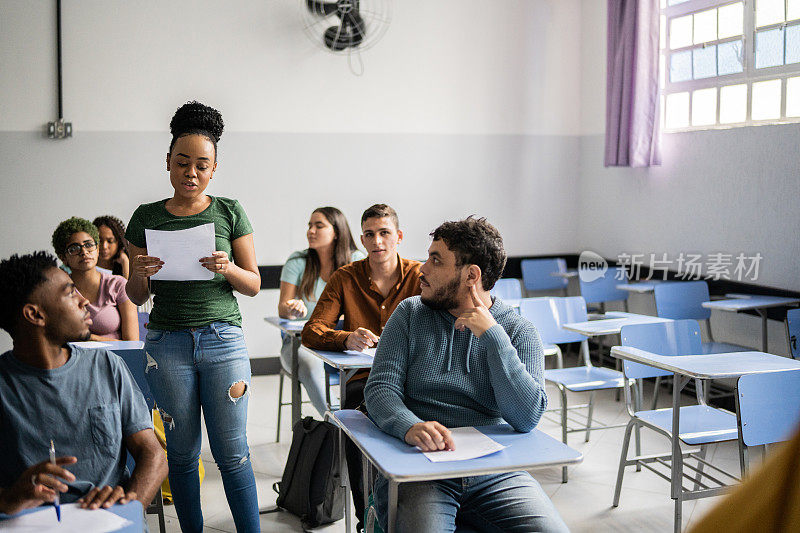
(114, 316)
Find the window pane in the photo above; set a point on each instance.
(731, 20)
(704, 107)
(677, 110)
(680, 66)
(680, 32)
(676, 2)
(766, 100)
(794, 10)
(662, 70)
(730, 57)
(793, 97)
(793, 44)
(769, 48)
(662, 36)
(705, 26)
(733, 104)
(705, 62)
(769, 12)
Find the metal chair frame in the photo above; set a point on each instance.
(705, 484)
(573, 309)
(281, 404)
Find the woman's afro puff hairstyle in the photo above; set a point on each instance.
(195, 118)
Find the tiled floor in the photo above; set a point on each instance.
(584, 502)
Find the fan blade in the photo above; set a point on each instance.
(358, 29)
(321, 8)
(336, 38)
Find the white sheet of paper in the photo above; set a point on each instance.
(73, 520)
(91, 344)
(367, 351)
(470, 444)
(181, 251)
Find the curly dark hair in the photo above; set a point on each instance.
(194, 118)
(117, 227)
(475, 242)
(19, 276)
(68, 228)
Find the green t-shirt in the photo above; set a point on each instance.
(292, 272)
(191, 304)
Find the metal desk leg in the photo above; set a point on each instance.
(742, 448)
(392, 506)
(365, 479)
(678, 382)
(342, 387)
(764, 343)
(345, 481)
(296, 399)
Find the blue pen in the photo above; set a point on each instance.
(56, 500)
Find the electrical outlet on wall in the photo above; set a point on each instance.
(59, 129)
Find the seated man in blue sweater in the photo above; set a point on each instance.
(455, 357)
(83, 400)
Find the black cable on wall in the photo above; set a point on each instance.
(58, 59)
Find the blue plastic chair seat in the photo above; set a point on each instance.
(507, 289)
(769, 406)
(333, 374)
(537, 274)
(699, 424)
(585, 378)
(723, 347)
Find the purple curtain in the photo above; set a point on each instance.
(632, 102)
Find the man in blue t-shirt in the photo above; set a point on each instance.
(84, 400)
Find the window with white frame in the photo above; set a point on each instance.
(729, 63)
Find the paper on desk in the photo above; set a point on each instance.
(367, 351)
(91, 344)
(73, 520)
(181, 251)
(470, 443)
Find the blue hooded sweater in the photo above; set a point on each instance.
(426, 370)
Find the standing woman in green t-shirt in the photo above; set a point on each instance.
(195, 351)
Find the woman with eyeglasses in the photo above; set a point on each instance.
(114, 316)
(112, 245)
(197, 358)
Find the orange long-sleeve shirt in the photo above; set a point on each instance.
(351, 292)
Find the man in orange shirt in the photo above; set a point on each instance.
(366, 292)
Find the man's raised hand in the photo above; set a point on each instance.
(478, 318)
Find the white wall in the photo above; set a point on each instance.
(465, 106)
(726, 191)
(451, 66)
(731, 191)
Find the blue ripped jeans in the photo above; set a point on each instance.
(196, 367)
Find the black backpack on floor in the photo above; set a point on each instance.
(311, 486)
